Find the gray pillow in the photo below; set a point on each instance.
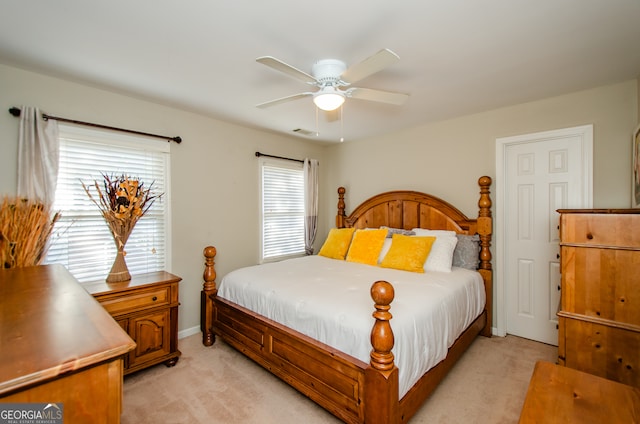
(467, 252)
(393, 231)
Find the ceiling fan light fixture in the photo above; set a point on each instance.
(328, 99)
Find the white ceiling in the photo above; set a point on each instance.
(456, 56)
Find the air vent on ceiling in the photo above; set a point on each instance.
(304, 132)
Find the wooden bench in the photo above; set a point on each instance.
(559, 394)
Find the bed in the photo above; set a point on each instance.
(353, 386)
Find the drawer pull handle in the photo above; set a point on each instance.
(154, 298)
(589, 236)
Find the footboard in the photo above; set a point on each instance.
(350, 389)
(325, 375)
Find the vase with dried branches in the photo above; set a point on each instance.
(25, 228)
(122, 200)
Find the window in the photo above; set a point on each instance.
(282, 212)
(82, 241)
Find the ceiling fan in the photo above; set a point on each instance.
(333, 80)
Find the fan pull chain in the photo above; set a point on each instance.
(317, 126)
(342, 123)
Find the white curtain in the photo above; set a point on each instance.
(310, 169)
(38, 156)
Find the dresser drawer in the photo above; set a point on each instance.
(612, 230)
(601, 283)
(135, 301)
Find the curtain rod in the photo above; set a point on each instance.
(258, 154)
(16, 112)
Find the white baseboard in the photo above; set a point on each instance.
(188, 332)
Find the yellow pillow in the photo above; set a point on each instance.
(408, 253)
(366, 246)
(337, 243)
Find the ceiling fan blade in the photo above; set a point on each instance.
(369, 66)
(283, 100)
(279, 65)
(377, 95)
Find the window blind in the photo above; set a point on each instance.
(282, 209)
(82, 241)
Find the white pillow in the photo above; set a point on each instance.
(433, 233)
(385, 248)
(441, 256)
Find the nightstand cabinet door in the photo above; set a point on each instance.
(124, 323)
(152, 335)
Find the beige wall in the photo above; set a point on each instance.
(638, 87)
(214, 172)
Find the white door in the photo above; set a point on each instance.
(542, 172)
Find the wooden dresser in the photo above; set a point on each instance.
(59, 345)
(599, 316)
(146, 307)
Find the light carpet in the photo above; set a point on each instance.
(219, 385)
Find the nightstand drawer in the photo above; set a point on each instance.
(137, 300)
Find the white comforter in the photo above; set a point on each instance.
(329, 300)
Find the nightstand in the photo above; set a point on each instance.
(146, 307)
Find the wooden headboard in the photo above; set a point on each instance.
(412, 209)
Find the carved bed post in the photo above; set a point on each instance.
(340, 216)
(381, 387)
(209, 291)
(485, 229)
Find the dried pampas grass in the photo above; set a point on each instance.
(123, 200)
(25, 227)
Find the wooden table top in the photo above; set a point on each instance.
(50, 325)
(559, 394)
